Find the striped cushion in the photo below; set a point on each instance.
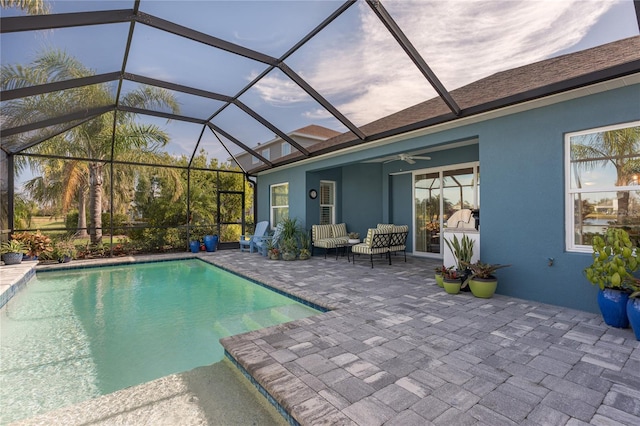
(400, 228)
(385, 227)
(339, 230)
(331, 242)
(363, 248)
(320, 232)
(367, 240)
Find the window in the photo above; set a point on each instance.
(266, 153)
(279, 203)
(602, 173)
(254, 159)
(286, 148)
(327, 202)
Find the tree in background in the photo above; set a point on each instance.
(90, 140)
(618, 147)
(32, 7)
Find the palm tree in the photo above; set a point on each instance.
(620, 148)
(93, 139)
(32, 7)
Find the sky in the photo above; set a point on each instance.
(354, 63)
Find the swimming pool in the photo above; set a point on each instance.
(77, 334)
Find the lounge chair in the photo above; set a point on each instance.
(329, 236)
(261, 243)
(249, 241)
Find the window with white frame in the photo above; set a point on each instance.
(254, 159)
(601, 180)
(266, 153)
(327, 202)
(285, 148)
(279, 202)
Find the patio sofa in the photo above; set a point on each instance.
(384, 239)
(328, 236)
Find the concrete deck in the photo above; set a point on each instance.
(398, 350)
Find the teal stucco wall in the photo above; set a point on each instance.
(521, 190)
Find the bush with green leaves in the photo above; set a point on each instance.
(614, 259)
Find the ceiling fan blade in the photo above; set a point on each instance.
(390, 161)
(409, 160)
(417, 157)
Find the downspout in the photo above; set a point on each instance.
(254, 185)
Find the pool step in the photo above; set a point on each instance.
(243, 323)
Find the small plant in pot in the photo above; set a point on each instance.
(12, 252)
(64, 251)
(354, 237)
(483, 282)
(451, 281)
(613, 264)
(289, 248)
(305, 243)
(462, 251)
(440, 271)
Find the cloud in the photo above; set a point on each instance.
(366, 75)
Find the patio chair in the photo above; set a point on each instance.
(262, 242)
(249, 241)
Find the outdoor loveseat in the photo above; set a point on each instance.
(329, 236)
(385, 239)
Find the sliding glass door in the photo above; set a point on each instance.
(438, 193)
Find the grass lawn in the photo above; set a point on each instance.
(47, 222)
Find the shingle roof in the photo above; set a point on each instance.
(502, 89)
(316, 131)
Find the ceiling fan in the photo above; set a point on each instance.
(408, 158)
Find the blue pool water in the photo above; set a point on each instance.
(77, 334)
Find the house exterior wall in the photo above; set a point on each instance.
(275, 150)
(522, 190)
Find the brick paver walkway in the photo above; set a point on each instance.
(398, 350)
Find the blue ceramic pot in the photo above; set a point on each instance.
(613, 306)
(211, 242)
(633, 313)
(194, 246)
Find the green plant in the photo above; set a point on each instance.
(483, 270)
(462, 250)
(613, 260)
(64, 248)
(354, 235)
(289, 245)
(35, 243)
(290, 229)
(633, 285)
(305, 241)
(13, 246)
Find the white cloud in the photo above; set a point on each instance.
(366, 75)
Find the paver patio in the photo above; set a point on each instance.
(397, 350)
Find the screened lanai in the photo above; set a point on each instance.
(150, 120)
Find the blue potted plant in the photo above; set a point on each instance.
(613, 264)
(12, 252)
